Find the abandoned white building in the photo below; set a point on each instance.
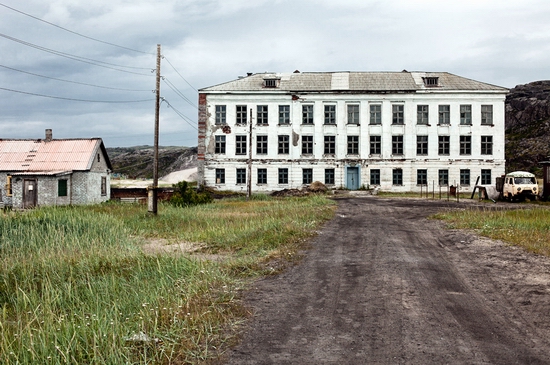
(39, 172)
(400, 131)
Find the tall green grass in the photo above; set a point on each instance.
(527, 228)
(76, 287)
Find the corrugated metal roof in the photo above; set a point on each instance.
(56, 155)
(355, 81)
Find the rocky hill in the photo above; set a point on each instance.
(137, 162)
(528, 127)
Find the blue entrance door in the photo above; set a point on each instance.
(352, 178)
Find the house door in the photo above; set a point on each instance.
(352, 178)
(29, 193)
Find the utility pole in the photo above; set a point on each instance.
(249, 172)
(152, 203)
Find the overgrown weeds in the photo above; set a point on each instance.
(76, 288)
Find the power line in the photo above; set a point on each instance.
(179, 93)
(76, 58)
(180, 74)
(72, 82)
(73, 99)
(73, 32)
(181, 115)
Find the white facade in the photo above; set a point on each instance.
(380, 136)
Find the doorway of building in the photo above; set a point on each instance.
(29, 193)
(352, 182)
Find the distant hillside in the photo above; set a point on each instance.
(137, 162)
(528, 127)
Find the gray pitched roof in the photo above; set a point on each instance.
(353, 81)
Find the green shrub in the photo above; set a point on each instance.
(185, 196)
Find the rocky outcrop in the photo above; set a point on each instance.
(528, 127)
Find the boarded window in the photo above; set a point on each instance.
(62, 187)
(8, 186)
(103, 185)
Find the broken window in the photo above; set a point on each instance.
(444, 145)
(375, 145)
(8, 186)
(486, 145)
(103, 185)
(284, 114)
(62, 187)
(465, 114)
(353, 114)
(262, 114)
(487, 114)
(431, 81)
(422, 114)
(271, 83)
(329, 176)
(261, 145)
(307, 114)
(465, 145)
(445, 114)
(375, 114)
(240, 145)
(421, 145)
(220, 145)
(443, 177)
(220, 176)
(330, 145)
(220, 114)
(398, 114)
(330, 114)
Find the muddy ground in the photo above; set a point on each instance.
(383, 284)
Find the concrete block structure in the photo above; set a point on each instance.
(398, 131)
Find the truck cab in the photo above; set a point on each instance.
(520, 185)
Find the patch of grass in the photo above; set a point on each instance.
(527, 228)
(76, 288)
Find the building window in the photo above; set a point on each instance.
(443, 177)
(271, 83)
(9, 191)
(487, 114)
(353, 114)
(307, 114)
(284, 114)
(375, 145)
(329, 176)
(444, 114)
(241, 176)
(464, 177)
(422, 114)
(431, 81)
(330, 145)
(220, 114)
(262, 176)
(262, 114)
(284, 145)
(397, 177)
(283, 176)
(375, 177)
(104, 185)
(465, 145)
(353, 145)
(240, 145)
(241, 114)
(330, 114)
(220, 145)
(421, 145)
(375, 114)
(398, 114)
(397, 145)
(261, 145)
(465, 115)
(444, 145)
(486, 145)
(307, 176)
(307, 145)
(422, 177)
(220, 176)
(62, 187)
(486, 177)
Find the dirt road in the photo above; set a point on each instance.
(384, 285)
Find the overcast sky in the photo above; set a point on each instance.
(51, 77)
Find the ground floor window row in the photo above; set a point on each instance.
(441, 177)
(353, 145)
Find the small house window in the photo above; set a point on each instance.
(62, 187)
(8, 187)
(98, 157)
(103, 185)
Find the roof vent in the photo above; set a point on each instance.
(297, 71)
(431, 81)
(271, 83)
(49, 135)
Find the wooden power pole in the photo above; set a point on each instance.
(153, 196)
